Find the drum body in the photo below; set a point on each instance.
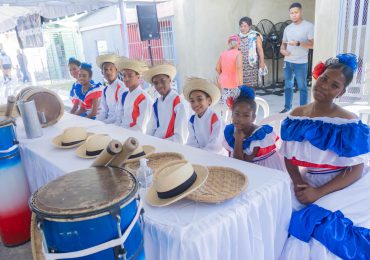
(7, 132)
(90, 220)
(15, 216)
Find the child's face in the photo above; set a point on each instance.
(131, 79)
(74, 70)
(162, 84)
(199, 102)
(109, 72)
(84, 77)
(243, 116)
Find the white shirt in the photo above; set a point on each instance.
(166, 111)
(206, 132)
(298, 32)
(136, 110)
(110, 100)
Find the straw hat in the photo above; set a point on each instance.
(204, 85)
(111, 58)
(93, 146)
(165, 69)
(71, 137)
(140, 152)
(135, 65)
(155, 161)
(223, 183)
(175, 181)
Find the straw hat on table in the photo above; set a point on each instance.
(71, 137)
(175, 181)
(93, 146)
(140, 152)
(195, 83)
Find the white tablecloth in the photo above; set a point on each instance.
(251, 226)
(32, 164)
(68, 120)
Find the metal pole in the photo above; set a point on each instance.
(124, 29)
(150, 53)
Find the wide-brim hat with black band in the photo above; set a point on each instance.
(93, 146)
(106, 58)
(175, 181)
(161, 69)
(71, 137)
(195, 83)
(134, 65)
(140, 152)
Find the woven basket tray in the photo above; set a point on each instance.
(223, 183)
(155, 161)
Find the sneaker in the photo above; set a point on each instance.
(284, 111)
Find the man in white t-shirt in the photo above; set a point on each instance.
(297, 40)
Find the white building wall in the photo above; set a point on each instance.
(108, 29)
(202, 28)
(326, 29)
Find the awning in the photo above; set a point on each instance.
(10, 10)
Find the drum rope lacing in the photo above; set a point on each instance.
(95, 249)
(10, 149)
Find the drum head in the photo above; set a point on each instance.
(84, 193)
(46, 101)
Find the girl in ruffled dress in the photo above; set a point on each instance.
(247, 141)
(326, 151)
(87, 94)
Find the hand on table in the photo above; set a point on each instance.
(306, 194)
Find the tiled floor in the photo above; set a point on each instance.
(22, 252)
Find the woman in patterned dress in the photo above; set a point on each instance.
(251, 48)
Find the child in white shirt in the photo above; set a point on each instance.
(205, 127)
(113, 91)
(135, 104)
(168, 118)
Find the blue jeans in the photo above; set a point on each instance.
(299, 71)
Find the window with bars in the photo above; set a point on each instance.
(354, 38)
(162, 49)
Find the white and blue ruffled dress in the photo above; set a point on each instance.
(338, 224)
(85, 99)
(263, 137)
